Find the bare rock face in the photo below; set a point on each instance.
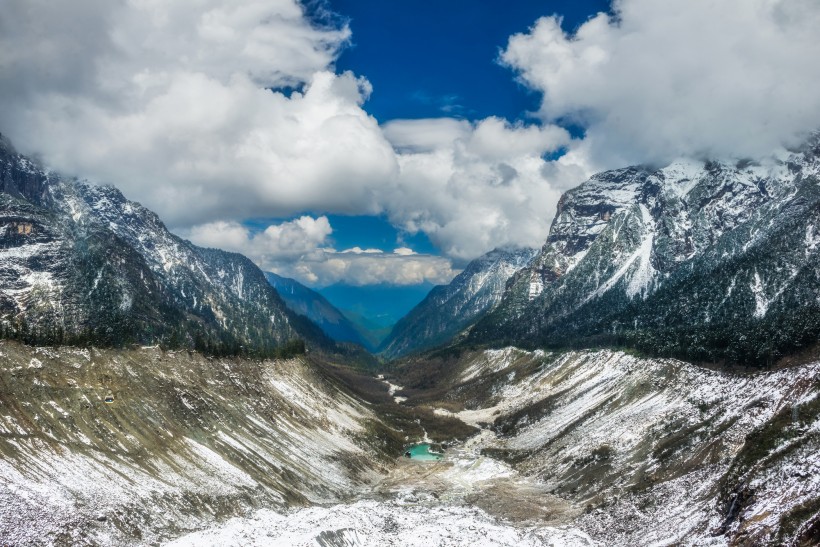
(678, 261)
(80, 263)
(449, 309)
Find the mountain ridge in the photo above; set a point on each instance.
(311, 304)
(707, 261)
(449, 309)
(81, 264)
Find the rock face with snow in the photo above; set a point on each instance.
(80, 263)
(449, 309)
(653, 451)
(704, 261)
(138, 446)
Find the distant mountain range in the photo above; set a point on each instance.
(449, 309)
(80, 264)
(309, 303)
(375, 309)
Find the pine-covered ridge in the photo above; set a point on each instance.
(80, 263)
(713, 261)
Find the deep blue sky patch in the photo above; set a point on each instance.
(431, 58)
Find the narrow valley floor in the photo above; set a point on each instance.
(464, 499)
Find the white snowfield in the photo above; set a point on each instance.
(369, 523)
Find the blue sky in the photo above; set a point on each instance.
(428, 58)
(430, 131)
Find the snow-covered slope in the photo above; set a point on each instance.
(375, 524)
(449, 309)
(658, 451)
(81, 263)
(706, 261)
(185, 441)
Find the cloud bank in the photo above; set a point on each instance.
(475, 186)
(660, 80)
(212, 112)
(171, 101)
(301, 249)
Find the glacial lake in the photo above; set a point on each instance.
(421, 452)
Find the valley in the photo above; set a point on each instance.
(570, 448)
(648, 451)
(650, 376)
(335, 273)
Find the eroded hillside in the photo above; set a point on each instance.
(186, 441)
(653, 451)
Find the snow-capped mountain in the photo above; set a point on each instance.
(315, 307)
(705, 261)
(449, 309)
(80, 263)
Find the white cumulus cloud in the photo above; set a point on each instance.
(301, 249)
(287, 241)
(372, 268)
(170, 100)
(212, 112)
(659, 80)
(474, 187)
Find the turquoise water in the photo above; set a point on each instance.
(422, 452)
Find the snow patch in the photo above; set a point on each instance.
(370, 523)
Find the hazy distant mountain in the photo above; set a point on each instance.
(449, 309)
(315, 307)
(374, 309)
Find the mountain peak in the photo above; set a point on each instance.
(701, 249)
(83, 264)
